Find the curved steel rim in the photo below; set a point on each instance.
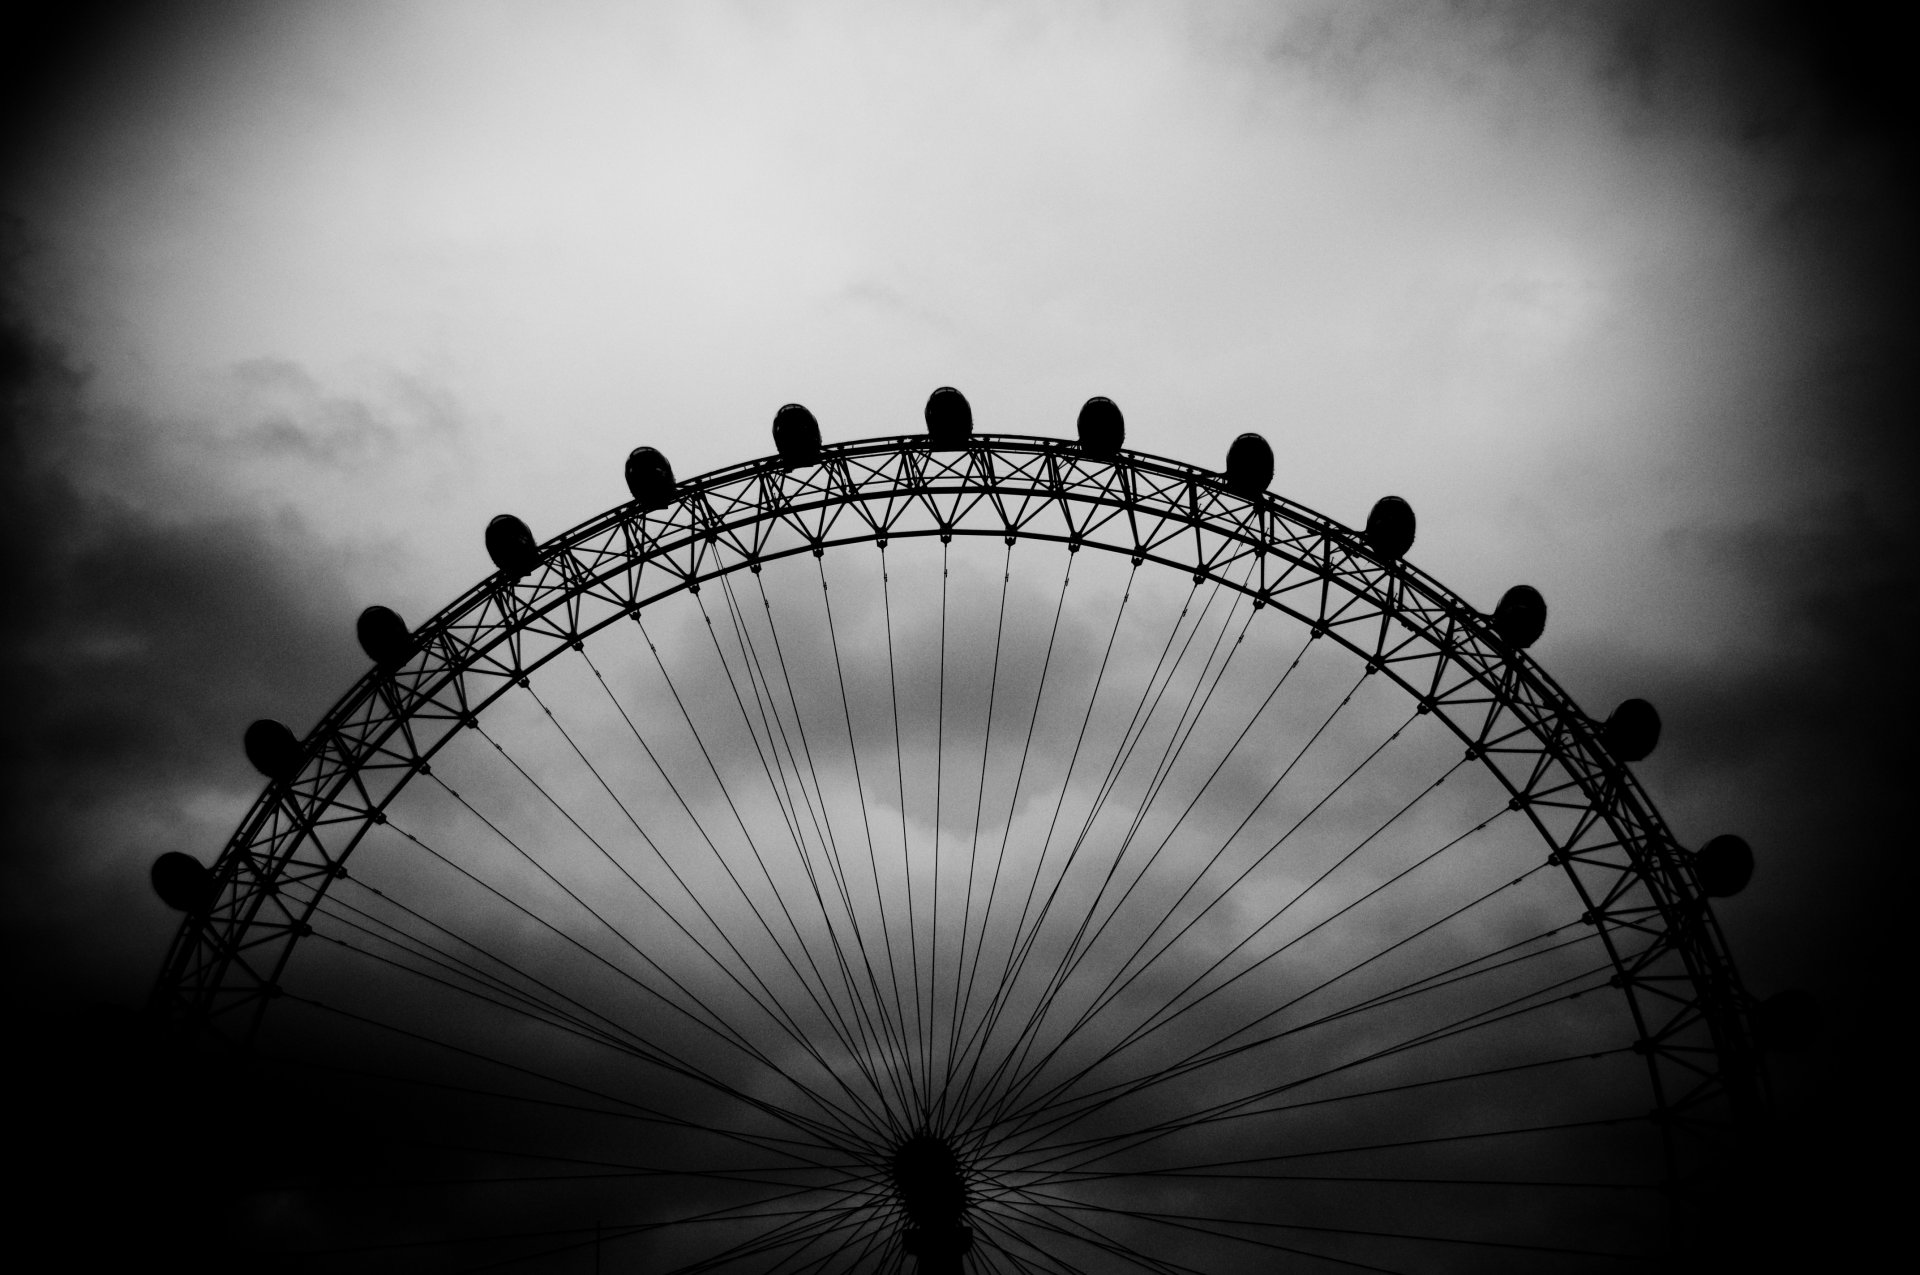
(1628, 869)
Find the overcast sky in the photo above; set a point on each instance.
(299, 295)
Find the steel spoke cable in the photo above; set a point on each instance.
(518, 1001)
(976, 1044)
(718, 1027)
(740, 821)
(1190, 1221)
(600, 1168)
(896, 1036)
(1022, 947)
(973, 839)
(1024, 1039)
(723, 1030)
(494, 1237)
(771, 1004)
(1061, 1204)
(1243, 1107)
(939, 792)
(796, 1229)
(824, 1136)
(1007, 1228)
(806, 1154)
(1192, 803)
(1154, 1022)
(893, 1030)
(1150, 1026)
(1416, 987)
(1147, 938)
(1077, 952)
(906, 857)
(730, 1214)
(627, 1048)
(829, 840)
(1195, 1063)
(1081, 1174)
(1071, 1228)
(830, 1011)
(332, 906)
(799, 1035)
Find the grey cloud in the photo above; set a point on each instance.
(138, 647)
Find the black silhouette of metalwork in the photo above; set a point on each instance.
(1640, 895)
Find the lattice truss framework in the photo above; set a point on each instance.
(1636, 883)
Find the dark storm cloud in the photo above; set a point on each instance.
(139, 645)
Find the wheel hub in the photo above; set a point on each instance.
(932, 1187)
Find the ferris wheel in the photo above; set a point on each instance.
(958, 851)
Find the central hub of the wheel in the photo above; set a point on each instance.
(933, 1193)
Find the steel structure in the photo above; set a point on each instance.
(1637, 886)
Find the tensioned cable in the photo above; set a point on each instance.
(1242, 1107)
(718, 1027)
(801, 1037)
(1015, 1055)
(1059, 1204)
(906, 859)
(1124, 1089)
(1006, 829)
(829, 839)
(973, 840)
(1217, 1051)
(1080, 1173)
(1150, 1025)
(636, 1109)
(1022, 948)
(685, 1071)
(830, 1011)
(769, 1005)
(1199, 1059)
(896, 1038)
(996, 1111)
(1188, 1221)
(776, 733)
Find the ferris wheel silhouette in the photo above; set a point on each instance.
(959, 851)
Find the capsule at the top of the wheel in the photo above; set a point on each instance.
(1249, 465)
(384, 636)
(1103, 430)
(512, 546)
(949, 417)
(183, 882)
(1521, 617)
(1632, 731)
(1725, 865)
(650, 478)
(272, 749)
(796, 435)
(1390, 528)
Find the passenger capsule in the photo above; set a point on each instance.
(1390, 528)
(384, 637)
(511, 546)
(1249, 466)
(272, 749)
(183, 882)
(1102, 429)
(1632, 731)
(949, 417)
(1521, 617)
(796, 435)
(650, 477)
(1787, 1022)
(1725, 865)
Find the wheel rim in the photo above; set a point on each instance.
(1675, 1003)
